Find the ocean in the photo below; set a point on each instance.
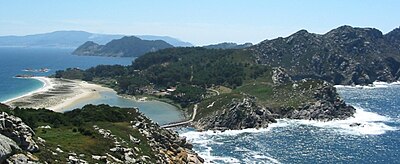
(377, 140)
(14, 60)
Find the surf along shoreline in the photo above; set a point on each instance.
(46, 85)
(57, 94)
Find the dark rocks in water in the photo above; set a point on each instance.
(355, 124)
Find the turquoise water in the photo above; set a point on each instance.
(14, 60)
(161, 112)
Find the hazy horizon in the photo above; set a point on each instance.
(197, 22)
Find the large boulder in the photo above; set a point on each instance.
(7, 147)
(18, 131)
(279, 76)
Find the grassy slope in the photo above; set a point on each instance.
(67, 136)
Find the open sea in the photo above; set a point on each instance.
(377, 140)
(14, 60)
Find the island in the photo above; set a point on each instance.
(218, 89)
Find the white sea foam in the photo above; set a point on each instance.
(206, 139)
(203, 140)
(370, 123)
(374, 85)
(265, 158)
(47, 85)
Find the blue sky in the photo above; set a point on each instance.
(197, 21)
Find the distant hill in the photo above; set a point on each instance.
(345, 55)
(173, 41)
(226, 45)
(73, 39)
(125, 47)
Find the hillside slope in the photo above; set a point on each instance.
(124, 47)
(93, 134)
(345, 55)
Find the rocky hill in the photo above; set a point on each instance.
(93, 134)
(125, 47)
(345, 55)
(227, 45)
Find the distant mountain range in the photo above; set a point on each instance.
(125, 47)
(73, 39)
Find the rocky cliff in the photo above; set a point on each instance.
(246, 111)
(345, 55)
(71, 138)
(15, 138)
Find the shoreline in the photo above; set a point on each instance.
(61, 95)
(57, 94)
(47, 85)
(375, 84)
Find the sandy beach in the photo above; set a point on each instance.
(58, 94)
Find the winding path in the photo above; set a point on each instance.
(183, 122)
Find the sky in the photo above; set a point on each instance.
(200, 22)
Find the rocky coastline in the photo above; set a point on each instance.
(246, 113)
(20, 144)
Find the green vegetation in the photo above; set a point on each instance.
(204, 76)
(74, 131)
(215, 103)
(192, 71)
(128, 46)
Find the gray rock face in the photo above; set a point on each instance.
(15, 129)
(170, 146)
(22, 159)
(326, 106)
(279, 76)
(246, 113)
(239, 114)
(345, 55)
(7, 147)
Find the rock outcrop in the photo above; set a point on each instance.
(13, 128)
(345, 55)
(167, 143)
(279, 76)
(130, 138)
(326, 106)
(7, 147)
(15, 136)
(245, 113)
(239, 114)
